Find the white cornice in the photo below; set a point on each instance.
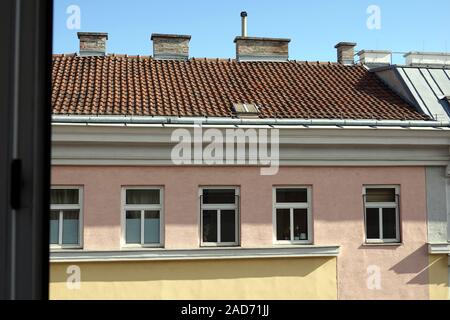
(151, 145)
(288, 135)
(195, 254)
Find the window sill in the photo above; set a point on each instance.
(219, 245)
(65, 248)
(197, 254)
(382, 244)
(293, 243)
(142, 247)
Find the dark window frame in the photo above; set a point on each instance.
(25, 126)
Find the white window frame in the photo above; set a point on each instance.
(291, 207)
(219, 207)
(142, 207)
(380, 206)
(61, 208)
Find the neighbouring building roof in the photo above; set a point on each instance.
(133, 85)
(428, 88)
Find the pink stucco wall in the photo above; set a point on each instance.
(337, 214)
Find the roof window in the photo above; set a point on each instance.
(245, 109)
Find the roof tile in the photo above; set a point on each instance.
(139, 85)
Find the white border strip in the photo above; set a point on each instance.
(194, 254)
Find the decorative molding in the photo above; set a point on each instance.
(300, 251)
(151, 145)
(294, 135)
(439, 248)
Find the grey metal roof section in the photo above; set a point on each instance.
(427, 86)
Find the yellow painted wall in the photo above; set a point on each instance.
(438, 275)
(280, 278)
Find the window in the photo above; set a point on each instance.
(381, 214)
(65, 217)
(219, 216)
(292, 215)
(142, 217)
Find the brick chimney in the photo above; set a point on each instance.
(346, 52)
(261, 49)
(170, 46)
(92, 43)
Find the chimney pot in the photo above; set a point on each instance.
(170, 46)
(92, 43)
(346, 52)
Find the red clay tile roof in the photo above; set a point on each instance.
(127, 85)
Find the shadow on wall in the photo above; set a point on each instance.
(191, 270)
(415, 264)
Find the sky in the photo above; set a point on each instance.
(314, 26)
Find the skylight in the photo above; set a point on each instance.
(245, 109)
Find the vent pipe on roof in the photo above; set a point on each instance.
(244, 23)
(346, 52)
(92, 43)
(170, 46)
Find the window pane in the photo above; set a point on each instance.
(135, 196)
(300, 224)
(151, 227)
(227, 226)
(283, 224)
(292, 195)
(209, 226)
(70, 227)
(64, 196)
(373, 223)
(222, 196)
(133, 227)
(54, 226)
(380, 195)
(389, 223)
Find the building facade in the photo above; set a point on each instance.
(335, 185)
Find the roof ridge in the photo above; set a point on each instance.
(74, 54)
(203, 59)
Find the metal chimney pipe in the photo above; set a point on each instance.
(244, 23)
